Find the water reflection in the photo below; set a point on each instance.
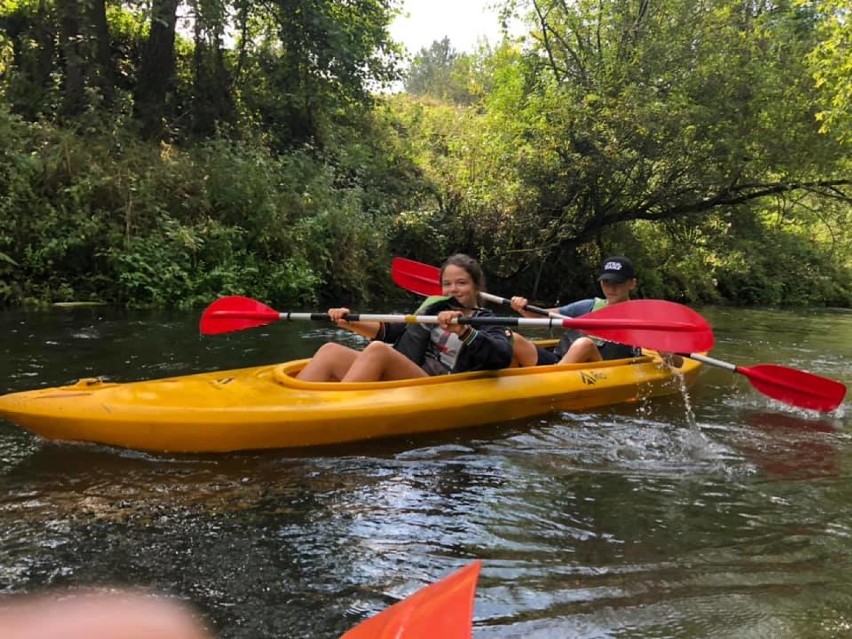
(792, 447)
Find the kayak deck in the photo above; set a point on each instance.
(266, 407)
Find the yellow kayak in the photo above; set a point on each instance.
(266, 407)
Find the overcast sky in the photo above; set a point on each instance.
(463, 21)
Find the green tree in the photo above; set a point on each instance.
(306, 67)
(614, 113)
(440, 72)
(831, 63)
(668, 110)
(262, 165)
(297, 69)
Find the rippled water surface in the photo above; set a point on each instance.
(718, 513)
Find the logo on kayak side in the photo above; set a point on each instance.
(590, 379)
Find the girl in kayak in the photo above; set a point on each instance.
(405, 351)
(617, 279)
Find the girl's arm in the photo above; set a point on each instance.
(365, 329)
(490, 347)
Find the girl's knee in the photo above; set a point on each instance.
(583, 349)
(331, 348)
(379, 349)
(330, 352)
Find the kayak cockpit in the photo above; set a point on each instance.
(285, 375)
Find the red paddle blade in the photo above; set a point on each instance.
(235, 313)
(443, 609)
(416, 277)
(795, 387)
(654, 324)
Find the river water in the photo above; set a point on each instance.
(719, 513)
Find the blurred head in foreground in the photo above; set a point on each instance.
(98, 615)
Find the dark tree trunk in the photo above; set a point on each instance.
(46, 38)
(157, 69)
(212, 103)
(104, 76)
(73, 81)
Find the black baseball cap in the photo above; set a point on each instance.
(617, 269)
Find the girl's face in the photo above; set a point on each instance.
(615, 292)
(457, 283)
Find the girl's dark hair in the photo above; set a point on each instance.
(468, 264)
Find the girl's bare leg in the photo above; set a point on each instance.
(582, 350)
(380, 362)
(329, 364)
(524, 352)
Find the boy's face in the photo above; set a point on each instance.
(615, 292)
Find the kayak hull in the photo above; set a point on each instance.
(266, 407)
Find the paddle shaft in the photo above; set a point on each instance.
(652, 324)
(712, 361)
(496, 299)
(580, 323)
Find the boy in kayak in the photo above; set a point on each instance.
(617, 279)
(405, 351)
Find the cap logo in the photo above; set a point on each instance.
(613, 266)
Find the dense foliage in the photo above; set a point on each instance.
(165, 153)
(117, 219)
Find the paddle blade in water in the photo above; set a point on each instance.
(416, 277)
(443, 610)
(654, 324)
(795, 387)
(235, 313)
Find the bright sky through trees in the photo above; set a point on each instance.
(465, 22)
